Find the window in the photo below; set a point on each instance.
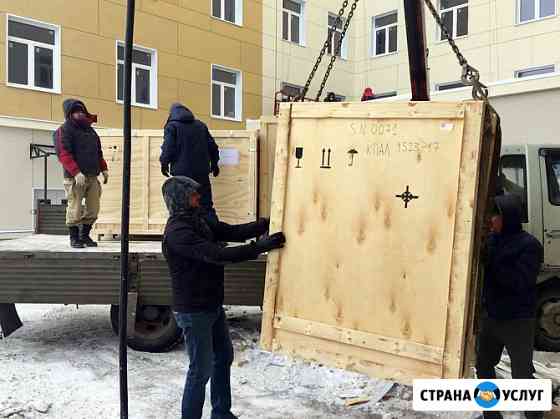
(33, 55)
(291, 90)
(449, 86)
(553, 176)
(292, 21)
(226, 93)
(536, 71)
(455, 17)
(144, 76)
(531, 10)
(385, 34)
(513, 179)
(228, 10)
(336, 44)
(384, 95)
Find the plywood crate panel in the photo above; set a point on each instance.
(234, 191)
(377, 201)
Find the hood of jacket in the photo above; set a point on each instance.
(180, 113)
(70, 105)
(510, 208)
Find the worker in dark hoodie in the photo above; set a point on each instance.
(196, 260)
(79, 151)
(189, 150)
(512, 259)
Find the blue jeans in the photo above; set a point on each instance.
(210, 353)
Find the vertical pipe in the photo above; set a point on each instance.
(127, 133)
(416, 39)
(45, 179)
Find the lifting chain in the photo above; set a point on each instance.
(326, 46)
(470, 76)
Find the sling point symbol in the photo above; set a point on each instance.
(407, 196)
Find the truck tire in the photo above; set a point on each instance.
(547, 334)
(155, 331)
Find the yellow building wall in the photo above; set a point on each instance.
(188, 41)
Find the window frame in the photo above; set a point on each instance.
(458, 85)
(302, 38)
(153, 76)
(238, 93)
(56, 49)
(453, 9)
(384, 95)
(238, 12)
(344, 46)
(386, 29)
(524, 199)
(518, 20)
(542, 67)
(548, 153)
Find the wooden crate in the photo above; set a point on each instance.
(267, 153)
(380, 211)
(234, 191)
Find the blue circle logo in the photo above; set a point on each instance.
(487, 395)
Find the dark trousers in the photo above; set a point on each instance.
(210, 354)
(517, 336)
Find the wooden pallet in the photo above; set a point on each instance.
(380, 203)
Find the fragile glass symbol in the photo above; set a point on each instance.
(299, 156)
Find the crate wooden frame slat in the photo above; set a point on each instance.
(337, 335)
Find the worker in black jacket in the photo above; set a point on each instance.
(190, 150)
(196, 260)
(512, 260)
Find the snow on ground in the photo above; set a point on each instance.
(63, 364)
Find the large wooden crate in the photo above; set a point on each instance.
(234, 191)
(382, 205)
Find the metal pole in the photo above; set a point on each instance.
(416, 39)
(45, 197)
(125, 219)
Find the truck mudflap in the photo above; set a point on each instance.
(9, 320)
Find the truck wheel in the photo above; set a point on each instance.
(155, 329)
(548, 320)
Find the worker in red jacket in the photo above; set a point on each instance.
(79, 151)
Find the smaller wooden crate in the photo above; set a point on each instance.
(234, 191)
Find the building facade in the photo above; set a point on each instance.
(511, 42)
(206, 54)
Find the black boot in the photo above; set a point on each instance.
(84, 237)
(75, 238)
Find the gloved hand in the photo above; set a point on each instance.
(216, 170)
(263, 224)
(105, 174)
(80, 179)
(165, 170)
(275, 241)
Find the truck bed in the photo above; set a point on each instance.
(44, 269)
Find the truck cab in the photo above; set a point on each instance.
(533, 173)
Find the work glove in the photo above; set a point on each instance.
(105, 174)
(80, 179)
(263, 224)
(275, 241)
(216, 171)
(165, 170)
